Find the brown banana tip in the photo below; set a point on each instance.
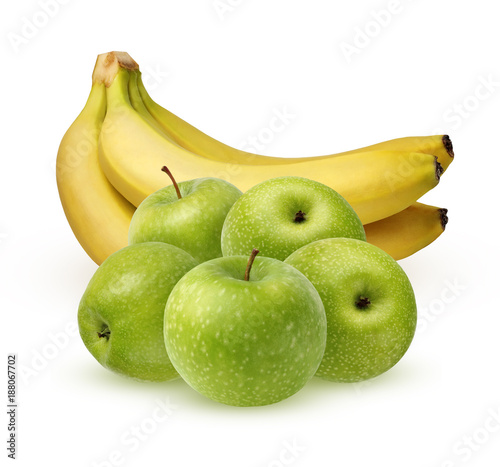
(439, 169)
(448, 145)
(443, 213)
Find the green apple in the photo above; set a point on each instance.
(282, 214)
(188, 215)
(121, 312)
(245, 338)
(369, 303)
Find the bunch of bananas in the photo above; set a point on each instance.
(110, 159)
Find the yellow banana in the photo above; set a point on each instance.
(408, 231)
(98, 215)
(198, 142)
(138, 105)
(377, 184)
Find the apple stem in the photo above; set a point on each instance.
(254, 253)
(165, 169)
(363, 303)
(104, 333)
(300, 217)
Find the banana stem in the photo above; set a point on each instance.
(109, 64)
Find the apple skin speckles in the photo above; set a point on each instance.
(265, 218)
(261, 346)
(126, 297)
(361, 343)
(192, 223)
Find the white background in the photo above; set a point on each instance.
(227, 71)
